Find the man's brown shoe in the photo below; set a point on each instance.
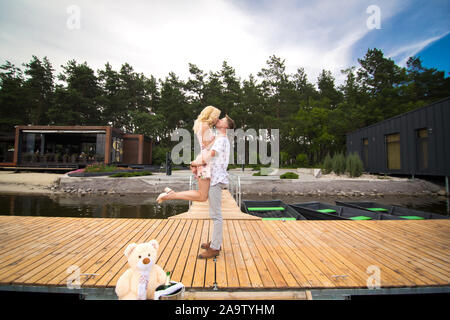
(209, 253)
(207, 245)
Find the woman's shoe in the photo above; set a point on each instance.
(168, 190)
(159, 199)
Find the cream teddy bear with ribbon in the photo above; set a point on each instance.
(144, 276)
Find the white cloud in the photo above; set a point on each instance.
(318, 35)
(403, 53)
(156, 37)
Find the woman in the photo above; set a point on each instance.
(202, 129)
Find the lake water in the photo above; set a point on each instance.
(105, 206)
(145, 206)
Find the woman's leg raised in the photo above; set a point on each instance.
(192, 195)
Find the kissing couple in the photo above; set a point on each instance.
(210, 169)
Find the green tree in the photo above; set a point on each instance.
(426, 84)
(39, 88)
(174, 106)
(111, 102)
(327, 89)
(77, 102)
(13, 109)
(231, 92)
(383, 81)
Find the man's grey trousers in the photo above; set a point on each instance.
(215, 212)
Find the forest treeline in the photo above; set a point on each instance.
(313, 118)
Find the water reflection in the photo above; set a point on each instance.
(107, 206)
(145, 207)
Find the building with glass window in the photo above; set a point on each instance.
(413, 143)
(73, 147)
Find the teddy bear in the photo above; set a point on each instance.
(144, 276)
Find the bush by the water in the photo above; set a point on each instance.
(354, 165)
(289, 175)
(131, 174)
(302, 160)
(338, 163)
(327, 164)
(159, 155)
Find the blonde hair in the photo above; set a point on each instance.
(209, 115)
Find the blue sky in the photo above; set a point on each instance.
(157, 37)
(419, 28)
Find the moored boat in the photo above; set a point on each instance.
(323, 211)
(404, 213)
(271, 210)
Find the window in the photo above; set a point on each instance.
(422, 149)
(393, 151)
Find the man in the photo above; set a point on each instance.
(220, 152)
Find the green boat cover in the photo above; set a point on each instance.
(287, 219)
(265, 208)
(361, 218)
(326, 210)
(377, 209)
(412, 217)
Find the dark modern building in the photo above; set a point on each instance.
(413, 143)
(72, 147)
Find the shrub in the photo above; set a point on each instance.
(327, 164)
(301, 160)
(289, 175)
(338, 163)
(354, 165)
(284, 157)
(159, 155)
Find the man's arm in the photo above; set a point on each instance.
(209, 155)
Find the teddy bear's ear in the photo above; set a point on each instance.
(154, 244)
(130, 249)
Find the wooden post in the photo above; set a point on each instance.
(140, 149)
(168, 164)
(108, 142)
(16, 146)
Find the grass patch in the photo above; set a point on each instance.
(289, 175)
(99, 167)
(131, 174)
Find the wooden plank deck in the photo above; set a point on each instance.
(291, 255)
(230, 210)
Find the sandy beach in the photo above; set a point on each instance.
(27, 182)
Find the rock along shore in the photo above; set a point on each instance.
(307, 185)
(253, 185)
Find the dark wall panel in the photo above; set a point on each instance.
(435, 117)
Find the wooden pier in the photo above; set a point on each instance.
(230, 210)
(256, 254)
